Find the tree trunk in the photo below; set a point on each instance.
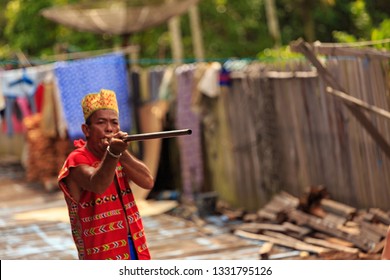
(272, 21)
(308, 21)
(196, 31)
(176, 38)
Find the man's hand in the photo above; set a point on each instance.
(116, 143)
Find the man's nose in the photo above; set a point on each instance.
(109, 127)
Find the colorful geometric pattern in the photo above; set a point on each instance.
(129, 205)
(138, 235)
(105, 99)
(120, 257)
(99, 201)
(134, 217)
(107, 247)
(142, 248)
(104, 228)
(102, 215)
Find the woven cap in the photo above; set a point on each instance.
(105, 99)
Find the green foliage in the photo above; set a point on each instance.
(364, 27)
(24, 29)
(380, 33)
(344, 37)
(361, 18)
(231, 29)
(283, 53)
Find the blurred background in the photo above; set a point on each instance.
(281, 96)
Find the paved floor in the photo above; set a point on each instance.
(34, 225)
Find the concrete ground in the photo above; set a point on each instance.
(34, 225)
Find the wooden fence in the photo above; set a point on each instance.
(286, 132)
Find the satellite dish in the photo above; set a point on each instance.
(117, 17)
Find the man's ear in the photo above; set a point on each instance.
(85, 129)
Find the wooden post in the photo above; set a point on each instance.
(176, 38)
(272, 22)
(196, 31)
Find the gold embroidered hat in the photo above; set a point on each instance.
(105, 99)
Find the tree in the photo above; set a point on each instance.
(230, 28)
(26, 30)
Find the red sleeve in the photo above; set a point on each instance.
(75, 158)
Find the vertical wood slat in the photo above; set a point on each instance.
(319, 140)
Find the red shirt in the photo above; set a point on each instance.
(98, 221)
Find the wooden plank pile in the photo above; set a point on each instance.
(45, 154)
(315, 227)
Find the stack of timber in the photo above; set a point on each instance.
(315, 227)
(45, 155)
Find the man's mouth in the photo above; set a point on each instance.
(106, 140)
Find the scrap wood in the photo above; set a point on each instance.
(372, 231)
(338, 220)
(288, 255)
(330, 245)
(333, 240)
(332, 229)
(379, 247)
(265, 215)
(279, 204)
(312, 198)
(333, 226)
(380, 215)
(300, 230)
(259, 227)
(298, 245)
(338, 208)
(379, 228)
(338, 255)
(250, 217)
(265, 249)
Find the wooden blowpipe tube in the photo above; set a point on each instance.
(156, 135)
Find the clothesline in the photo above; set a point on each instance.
(141, 61)
(167, 61)
(134, 49)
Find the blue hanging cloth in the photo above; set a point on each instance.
(77, 78)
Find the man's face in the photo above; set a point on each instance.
(104, 123)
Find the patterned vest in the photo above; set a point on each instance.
(98, 221)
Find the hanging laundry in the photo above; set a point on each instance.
(38, 97)
(190, 147)
(144, 85)
(13, 116)
(209, 83)
(50, 88)
(77, 78)
(20, 84)
(165, 89)
(155, 77)
(23, 82)
(49, 119)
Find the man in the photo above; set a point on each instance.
(95, 178)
